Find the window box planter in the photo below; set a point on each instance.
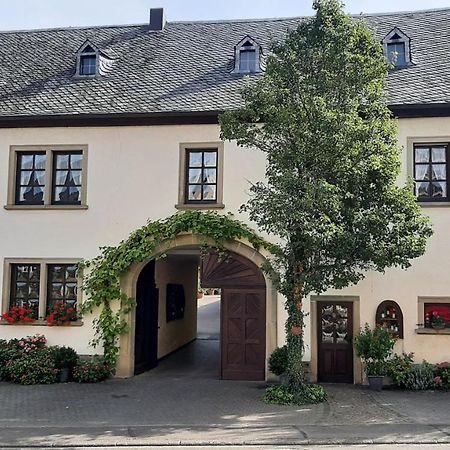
(41, 323)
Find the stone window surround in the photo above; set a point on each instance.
(403, 39)
(49, 149)
(421, 300)
(182, 203)
(43, 262)
(411, 141)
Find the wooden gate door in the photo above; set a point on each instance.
(243, 334)
(335, 342)
(146, 334)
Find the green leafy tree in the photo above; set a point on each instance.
(320, 115)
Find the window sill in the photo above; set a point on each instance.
(432, 331)
(41, 323)
(200, 206)
(45, 207)
(433, 204)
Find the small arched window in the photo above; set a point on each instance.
(87, 60)
(397, 48)
(247, 57)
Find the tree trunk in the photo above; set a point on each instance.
(294, 331)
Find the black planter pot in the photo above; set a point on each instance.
(375, 382)
(64, 374)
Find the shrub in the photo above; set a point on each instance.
(420, 377)
(91, 371)
(442, 375)
(278, 360)
(282, 395)
(30, 343)
(8, 352)
(65, 357)
(37, 367)
(399, 368)
(374, 347)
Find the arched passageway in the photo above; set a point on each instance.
(167, 288)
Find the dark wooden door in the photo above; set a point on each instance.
(335, 342)
(146, 337)
(243, 334)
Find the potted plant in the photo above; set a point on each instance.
(18, 314)
(61, 314)
(437, 322)
(374, 348)
(66, 359)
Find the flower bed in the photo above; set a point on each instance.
(415, 377)
(30, 361)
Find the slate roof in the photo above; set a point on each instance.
(186, 68)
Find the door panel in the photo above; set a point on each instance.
(243, 336)
(146, 334)
(335, 342)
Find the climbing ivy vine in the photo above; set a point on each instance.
(101, 282)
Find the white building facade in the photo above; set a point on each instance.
(125, 130)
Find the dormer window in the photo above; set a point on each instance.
(396, 53)
(247, 58)
(397, 48)
(87, 60)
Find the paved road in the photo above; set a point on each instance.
(183, 402)
(208, 317)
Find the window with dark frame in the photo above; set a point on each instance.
(396, 53)
(201, 176)
(247, 58)
(61, 285)
(431, 172)
(67, 177)
(88, 62)
(25, 287)
(30, 178)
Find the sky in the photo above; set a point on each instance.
(26, 14)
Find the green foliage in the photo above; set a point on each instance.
(399, 368)
(278, 360)
(8, 352)
(330, 193)
(92, 371)
(283, 395)
(442, 375)
(374, 347)
(420, 377)
(376, 368)
(102, 279)
(65, 357)
(37, 367)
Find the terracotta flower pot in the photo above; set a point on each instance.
(296, 330)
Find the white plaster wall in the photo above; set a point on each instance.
(429, 275)
(133, 176)
(173, 335)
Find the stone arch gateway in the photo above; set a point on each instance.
(249, 300)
